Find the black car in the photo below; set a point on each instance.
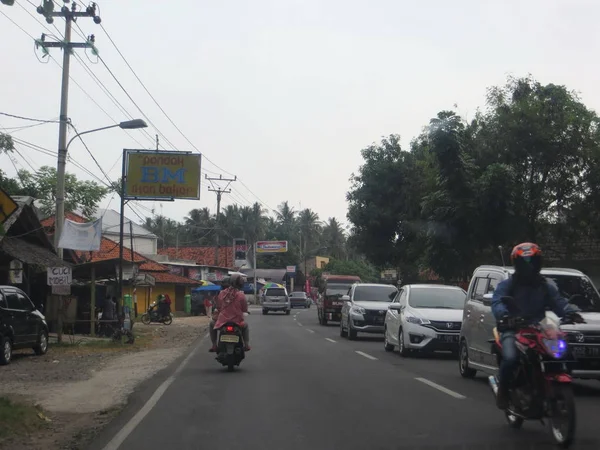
(21, 324)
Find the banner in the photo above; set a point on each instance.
(15, 273)
(240, 249)
(162, 175)
(81, 236)
(271, 247)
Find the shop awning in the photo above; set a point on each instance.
(29, 253)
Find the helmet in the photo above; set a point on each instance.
(226, 282)
(237, 281)
(527, 259)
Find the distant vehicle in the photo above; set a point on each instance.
(299, 300)
(329, 302)
(425, 317)
(21, 324)
(276, 299)
(364, 309)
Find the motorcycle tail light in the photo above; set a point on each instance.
(229, 329)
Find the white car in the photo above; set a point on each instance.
(364, 309)
(425, 317)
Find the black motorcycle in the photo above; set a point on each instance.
(230, 346)
(153, 315)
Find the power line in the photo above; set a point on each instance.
(31, 119)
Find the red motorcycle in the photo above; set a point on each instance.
(541, 386)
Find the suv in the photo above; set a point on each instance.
(276, 299)
(476, 335)
(364, 309)
(21, 324)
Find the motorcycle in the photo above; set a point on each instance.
(152, 315)
(230, 346)
(541, 386)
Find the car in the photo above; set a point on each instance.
(364, 309)
(276, 299)
(476, 336)
(21, 324)
(299, 299)
(424, 318)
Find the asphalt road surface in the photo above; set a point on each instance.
(304, 387)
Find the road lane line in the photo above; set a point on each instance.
(330, 340)
(309, 330)
(299, 324)
(441, 388)
(123, 434)
(366, 355)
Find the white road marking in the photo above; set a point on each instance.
(299, 324)
(366, 355)
(330, 340)
(441, 388)
(124, 433)
(309, 330)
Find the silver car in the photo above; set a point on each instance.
(276, 299)
(364, 309)
(425, 317)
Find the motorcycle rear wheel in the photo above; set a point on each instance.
(563, 421)
(168, 320)
(146, 319)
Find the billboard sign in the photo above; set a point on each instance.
(155, 175)
(7, 206)
(291, 269)
(240, 250)
(58, 276)
(271, 247)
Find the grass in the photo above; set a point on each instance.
(17, 419)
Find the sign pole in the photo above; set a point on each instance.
(255, 278)
(121, 233)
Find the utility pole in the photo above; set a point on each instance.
(219, 191)
(70, 15)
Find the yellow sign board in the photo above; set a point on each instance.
(162, 175)
(7, 206)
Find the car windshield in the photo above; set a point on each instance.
(338, 288)
(373, 293)
(275, 292)
(438, 298)
(569, 285)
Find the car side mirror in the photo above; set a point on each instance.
(345, 298)
(487, 299)
(395, 307)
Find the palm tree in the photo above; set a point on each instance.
(286, 219)
(310, 230)
(334, 238)
(199, 224)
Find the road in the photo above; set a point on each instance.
(304, 387)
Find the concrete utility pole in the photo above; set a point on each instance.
(219, 191)
(70, 15)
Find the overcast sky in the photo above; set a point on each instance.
(285, 93)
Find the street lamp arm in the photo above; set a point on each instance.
(126, 125)
(89, 131)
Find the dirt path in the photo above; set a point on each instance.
(80, 388)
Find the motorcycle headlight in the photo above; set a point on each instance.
(358, 310)
(555, 347)
(417, 320)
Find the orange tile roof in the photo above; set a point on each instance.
(153, 266)
(48, 222)
(204, 256)
(170, 278)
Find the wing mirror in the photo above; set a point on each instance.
(487, 299)
(395, 307)
(345, 298)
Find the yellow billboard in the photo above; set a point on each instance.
(162, 175)
(7, 206)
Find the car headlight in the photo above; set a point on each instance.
(417, 320)
(357, 310)
(555, 347)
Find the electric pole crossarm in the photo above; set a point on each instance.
(219, 191)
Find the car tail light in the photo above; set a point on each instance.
(229, 329)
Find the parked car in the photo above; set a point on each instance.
(299, 299)
(21, 324)
(276, 299)
(364, 309)
(424, 317)
(476, 350)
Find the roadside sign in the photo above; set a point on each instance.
(271, 247)
(7, 206)
(291, 269)
(61, 289)
(59, 276)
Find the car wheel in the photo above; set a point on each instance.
(42, 345)
(287, 313)
(352, 334)
(343, 332)
(386, 345)
(5, 351)
(401, 347)
(463, 361)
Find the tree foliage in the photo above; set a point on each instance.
(524, 169)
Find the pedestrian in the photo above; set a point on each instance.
(208, 304)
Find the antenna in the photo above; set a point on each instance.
(501, 250)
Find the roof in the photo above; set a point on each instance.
(108, 250)
(203, 256)
(375, 284)
(168, 278)
(30, 253)
(438, 286)
(341, 277)
(545, 270)
(271, 274)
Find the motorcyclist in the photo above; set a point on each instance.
(532, 294)
(231, 306)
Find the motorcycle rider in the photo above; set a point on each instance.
(532, 294)
(231, 306)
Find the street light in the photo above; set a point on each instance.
(60, 175)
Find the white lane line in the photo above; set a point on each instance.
(309, 330)
(441, 388)
(123, 434)
(366, 355)
(330, 340)
(299, 324)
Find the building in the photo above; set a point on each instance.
(144, 241)
(316, 262)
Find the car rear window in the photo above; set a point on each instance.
(275, 292)
(298, 294)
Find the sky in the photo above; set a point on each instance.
(282, 94)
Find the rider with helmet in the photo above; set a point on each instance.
(532, 294)
(231, 306)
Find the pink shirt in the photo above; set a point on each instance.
(232, 305)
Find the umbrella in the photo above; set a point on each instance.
(207, 283)
(272, 285)
(209, 287)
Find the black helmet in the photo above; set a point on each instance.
(226, 282)
(238, 280)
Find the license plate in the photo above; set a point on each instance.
(337, 303)
(230, 338)
(378, 320)
(447, 338)
(585, 351)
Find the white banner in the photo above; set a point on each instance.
(16, 272)
(81, 236)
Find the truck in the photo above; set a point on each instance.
(331, 290)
